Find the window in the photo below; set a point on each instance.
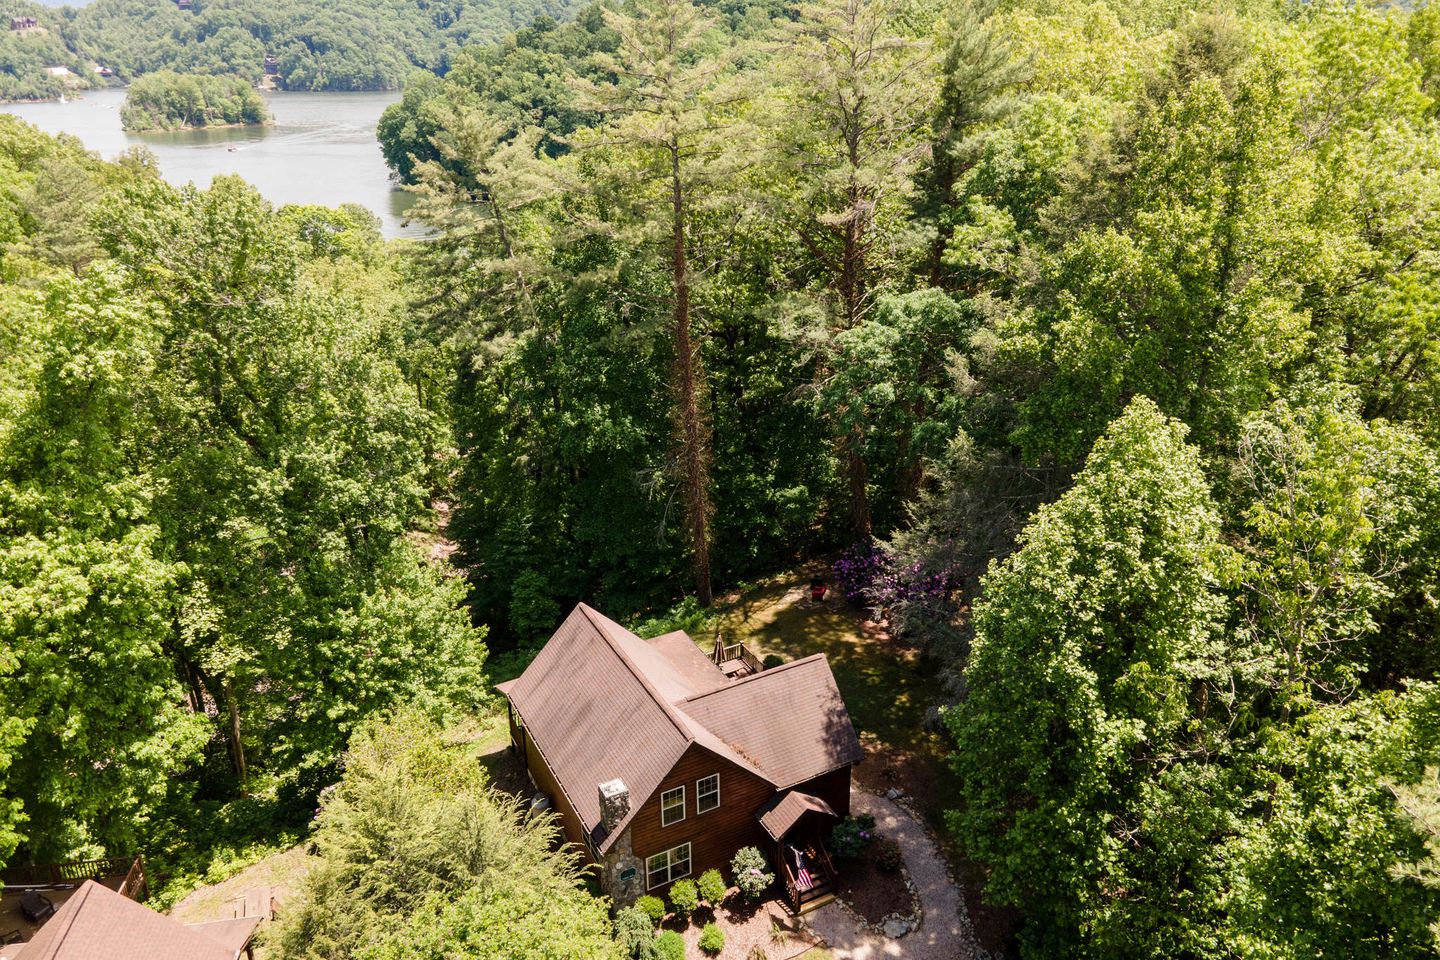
(667, 867)
(707, 793)
(672, 806)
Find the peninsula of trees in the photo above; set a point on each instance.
(176, 101)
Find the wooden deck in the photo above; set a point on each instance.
(58, 883)
(735, 660)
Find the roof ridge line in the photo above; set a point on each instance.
(772, 671)
(654, 694)
(52, 949)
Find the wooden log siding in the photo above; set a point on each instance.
(832, 787)
(545, 782)
(714, 836)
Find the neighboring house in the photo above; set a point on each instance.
(661, 763)
(24, 24)
(97, 922)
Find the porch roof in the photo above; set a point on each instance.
(786, 809)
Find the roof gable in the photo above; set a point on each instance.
(593, 716)
(98, 922)
(790, 721)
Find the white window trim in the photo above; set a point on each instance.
(670, 860)
(663, 793)
(699, 795)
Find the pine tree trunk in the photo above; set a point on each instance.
(694, 443)
(237, 745)
(856, 475)
(852, 293)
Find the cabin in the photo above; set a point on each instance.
(185, 4)
(23, 24)
(91, 919)
(272, 66)
(661, 762)
(99, 922)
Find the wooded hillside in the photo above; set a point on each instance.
(1095, 342)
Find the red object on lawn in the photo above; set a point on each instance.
(817, 590)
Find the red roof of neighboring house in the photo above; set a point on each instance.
(600, 703)
(99, 923)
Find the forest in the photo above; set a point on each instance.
(1095, 343)
(177, 101)
(317, 44)
(25, 55)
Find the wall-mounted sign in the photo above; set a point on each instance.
(627, 874)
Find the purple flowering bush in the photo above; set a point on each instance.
(853, 836)
(868, 573)
(858, 568)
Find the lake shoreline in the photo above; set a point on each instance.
(203, 126)
(319, 150)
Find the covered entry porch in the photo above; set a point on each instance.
(798, 824)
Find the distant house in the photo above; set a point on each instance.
(56, 71)
(272, 66)
(24, 23)
(185, 4)
(662, 762)
(96, 922)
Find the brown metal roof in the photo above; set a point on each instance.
(783, 812)
(594, 716)
(697, 670)
(98, 922)
(232, 934)
(790, 721)
(601, 703)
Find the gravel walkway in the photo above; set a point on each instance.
(944, 932)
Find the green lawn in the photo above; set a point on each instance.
(887, 686)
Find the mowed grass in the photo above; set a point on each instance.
(888, 687)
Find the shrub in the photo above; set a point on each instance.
(859, 567)
(712, 939)
(712, 887)
(669, 945)
(684, 897)
(757, 952)
(635, 934)
(887, 855)
(652, 907)
(752, 872)
(771, 661)
(852, 836)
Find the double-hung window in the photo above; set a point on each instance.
(667, 867)
(672, 806)
(707, 793)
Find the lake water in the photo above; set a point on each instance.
(321, 148)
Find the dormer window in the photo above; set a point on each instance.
(672, 806)
(707, 793)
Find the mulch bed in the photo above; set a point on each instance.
(871, 892)
(994, 926)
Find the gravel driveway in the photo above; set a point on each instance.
(944, 932)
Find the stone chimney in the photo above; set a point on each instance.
(614, 803)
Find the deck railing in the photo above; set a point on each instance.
(725, 652)
(821, 884)
(136, 885)
(78, 871)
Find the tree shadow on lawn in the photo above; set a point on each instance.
(888, 689)
(887, 686)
